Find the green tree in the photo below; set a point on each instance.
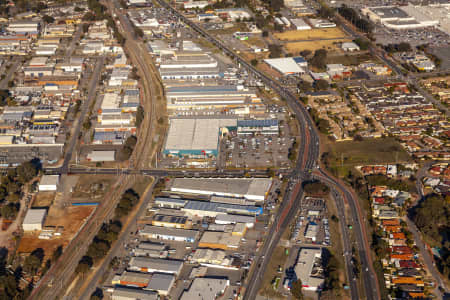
(10, 211)
(33, 261)
(319, 59)
(84, 265)
(296, 289)
(315, 187)
(128, 148)
(275, 51)
(363, 45)
(304, 86)
(321, 85)
(305, 53)
(57, 253)
(28, 170)
(254, 62)
(48, 19)
(138, 32)
(87, 124)
(139, 116)
(98, 249)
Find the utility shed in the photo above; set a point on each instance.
(124, 293)
(49, 183)
(34, 219)
(161, 283)
(96, 156)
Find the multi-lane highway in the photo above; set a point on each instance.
(308, 157)
(308, 160)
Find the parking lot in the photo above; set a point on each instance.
(414, 37)
(256, 151)
(312, 225)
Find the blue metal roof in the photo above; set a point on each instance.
(108, 135)
(299, 59)
(257, 123)
(222, 207)
(201, 89)
(131, 92)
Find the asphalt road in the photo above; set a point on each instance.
(10, 73)
(73, 42)
(308, 155)
(84, 110)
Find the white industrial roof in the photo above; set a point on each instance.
(110, 101)
(195, 134)
(308, 268)
(208, 255)
(300, 23)
(285, 65)
(234, 187)
(205, 288)
(49, 180)
(99, 155)
(35, 216)
(349, 45)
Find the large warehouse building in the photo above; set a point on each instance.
(188, 65)
(205, 209)
(408, 17)
(196, 137)
(255, 189)
(209, 97)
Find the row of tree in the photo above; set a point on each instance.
(128, 147)
(108, 233)
(352, 16)
(432, 217)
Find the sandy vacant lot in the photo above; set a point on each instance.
(314, 45)
(71, 218)
(312, 34)
(43, 199)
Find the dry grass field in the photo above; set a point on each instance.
(296, 47)
(312, 34)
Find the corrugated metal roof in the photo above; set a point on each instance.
(257, 123)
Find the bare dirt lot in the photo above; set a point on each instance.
(312, 34)
(43, 199)
(71, 219)
(333, 45)
(89, 189)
